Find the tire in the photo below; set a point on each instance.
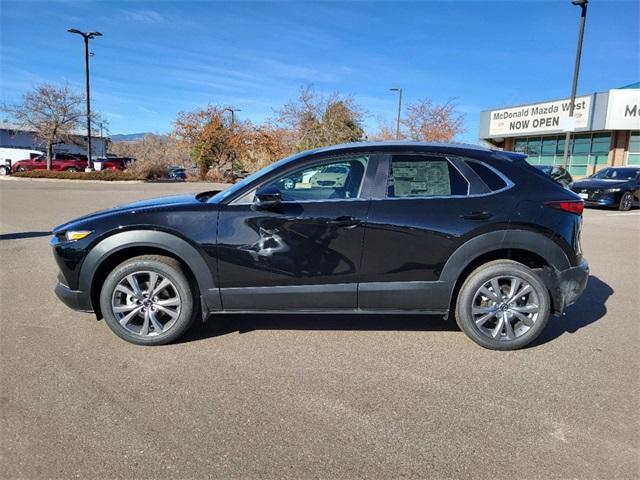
(21, 169)
(479, 314)
(171, 308)
(71, 169)
(4, 170)
(626, 202)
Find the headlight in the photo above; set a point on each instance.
(612, 190)
(73, 235)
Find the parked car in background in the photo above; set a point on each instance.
(177, 173)
(116, 163)
(457, 231)
(617, 187)
(70, 162)
(558, 173)
(8, 156)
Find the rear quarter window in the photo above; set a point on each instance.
(488, 176)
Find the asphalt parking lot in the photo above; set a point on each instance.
(310, 396)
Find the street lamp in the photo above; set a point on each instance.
(576, 69)
(399, 90)
(232, 110)
(87, 36)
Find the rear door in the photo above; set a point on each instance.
(428, 206)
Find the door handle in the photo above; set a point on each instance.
(477, 215)
(344, 222)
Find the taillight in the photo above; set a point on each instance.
(571, 206)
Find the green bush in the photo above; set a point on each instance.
(106, 175)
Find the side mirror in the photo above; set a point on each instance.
(267, 198)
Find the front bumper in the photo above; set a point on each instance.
(567, 285)
(75, 299)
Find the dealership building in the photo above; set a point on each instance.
(19, 137)
(605, 130)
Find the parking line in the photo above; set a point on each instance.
(621, 214)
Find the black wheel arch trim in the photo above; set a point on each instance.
(173, 244)
(485, 243)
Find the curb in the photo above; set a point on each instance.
(9, 178)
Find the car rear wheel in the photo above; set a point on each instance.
(148, 300)
(71, 169)
(21, 169)
(626, 202)
(503, 305)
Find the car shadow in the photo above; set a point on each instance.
(590, 308)
(224, 324)
(20, 235)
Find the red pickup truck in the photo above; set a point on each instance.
(61, 161)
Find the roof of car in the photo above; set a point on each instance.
(403, 145)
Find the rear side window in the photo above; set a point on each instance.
(488, 176)
(424, 176)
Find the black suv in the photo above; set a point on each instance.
(366, 228)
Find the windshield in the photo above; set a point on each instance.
(254, 176)
(617, 173)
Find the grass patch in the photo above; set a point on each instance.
(105, 175)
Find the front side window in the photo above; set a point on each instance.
(424, 176)
(335, 179)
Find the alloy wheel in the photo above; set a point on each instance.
(146, 303)
(505, 308)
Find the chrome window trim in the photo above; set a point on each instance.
(509, 183)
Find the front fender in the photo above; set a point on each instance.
(155, 239)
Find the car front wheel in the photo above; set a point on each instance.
(148, 300)
(503, 305)
(626, 201)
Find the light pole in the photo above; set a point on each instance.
(87, 36)
(399, 90)
(232, 110)
(576, 69)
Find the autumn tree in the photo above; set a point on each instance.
(52, 112)
(209, 135)
(316, 120)
(432, 122)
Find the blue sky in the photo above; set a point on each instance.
(157, 58)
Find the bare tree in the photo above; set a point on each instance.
(386, 131)
(432, 122)
(51, 112)
(316, 120)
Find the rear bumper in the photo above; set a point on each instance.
(75, 299)
(566, 285)
(603, 202)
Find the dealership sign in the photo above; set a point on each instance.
(540, 117)
(623, 109)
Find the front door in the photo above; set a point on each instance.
(303, 254)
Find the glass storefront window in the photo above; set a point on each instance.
(633, 152)
(585, 149)
(534, 146)
(549, 146)
(581, 144)
(520, 145)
